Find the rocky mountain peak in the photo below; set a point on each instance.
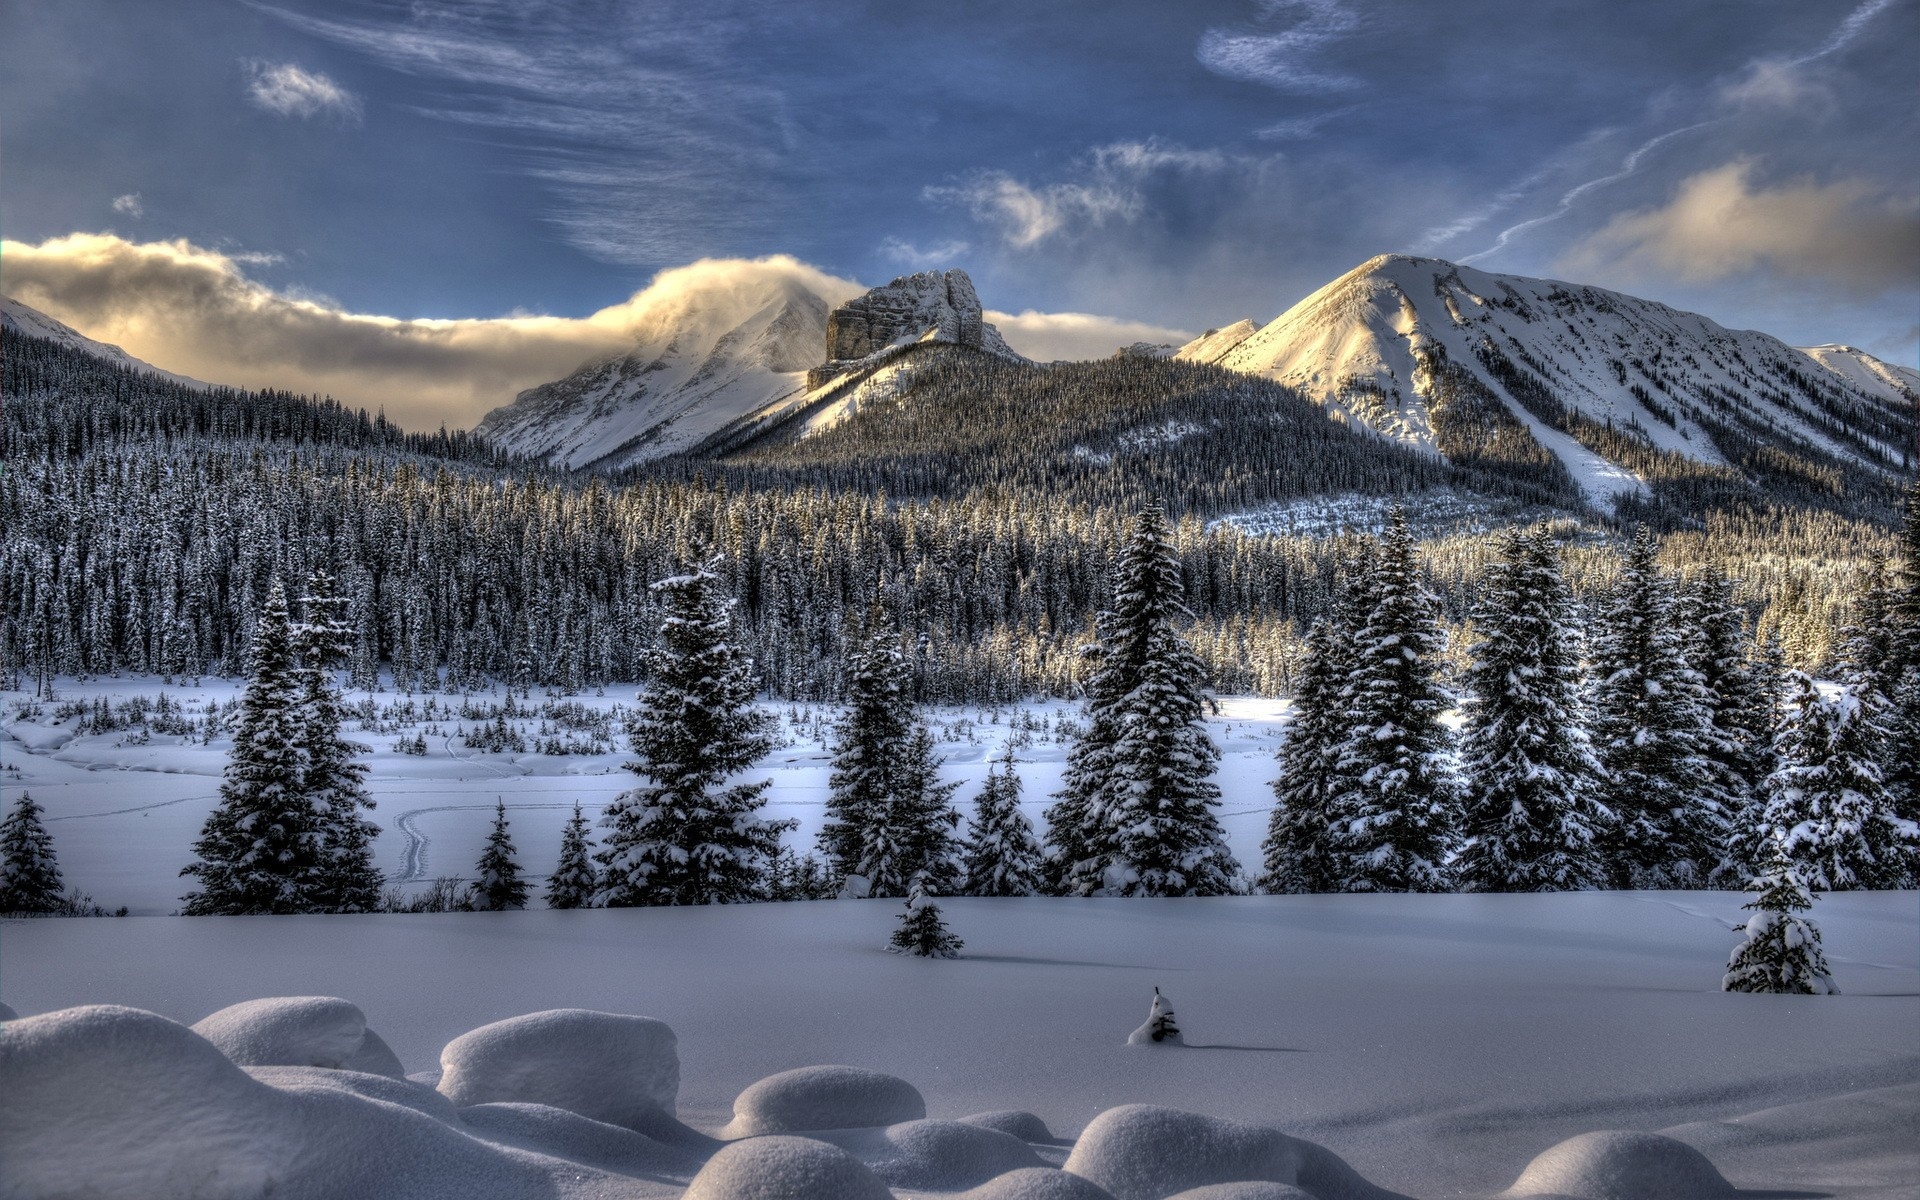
(931, 306)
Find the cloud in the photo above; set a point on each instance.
(1025, 214)
(1297, 129)
(1850, 233)
(939, 254)
(129, 205)
(1047, 336)
(1284, 48)
(191, 309)
(288, 91)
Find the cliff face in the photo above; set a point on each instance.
(935, 306)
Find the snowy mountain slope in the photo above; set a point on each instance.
(698, 365)
(1216, 344)
(16, 317)
(1568, 362)
(1896, 383)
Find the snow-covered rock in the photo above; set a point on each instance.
(785, 1168)
(1023, 1125)
(933, 1155)
(1037, 1183)
(1622, 1165)
(818, 1098)
(299, 1031)
(932, 306)
(1368, 345)
(622, 1070)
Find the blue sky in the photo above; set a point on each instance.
(1181, 165)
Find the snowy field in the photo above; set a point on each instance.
(1437, 1043)
(124, 805)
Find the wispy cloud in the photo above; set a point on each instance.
(939, 254)
(1046, 336)
(1025, 214)
(1848, 233)
(1769, 80)
(1297, 129)
(129, 205)
(287, 90)
(1284, 47)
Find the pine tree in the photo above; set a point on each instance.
(1827, 809)
(1137, 813)
(1160, 1027)
(869, 738)
(262, 849)
(1901, 751)
(687, 837)
(922, 933)
(1396, 801)
(29, 874)
(333, 779)
(1739, 706)
(1531, 818)
(497, 885)
(1003, 857)
(1650, 718)
(1296, 849)
(1781, 953)
(573, 882)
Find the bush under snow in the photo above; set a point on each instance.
(299, 1031)
(1616, 1164)
(617, 1069)
(815, 1098)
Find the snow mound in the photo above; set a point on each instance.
(1145, 1152)
(785, 1168)
(1252, 1190)
(387, 1089)
(811, 1098)
(544, 1129)
(1036, 1183)
(299, 1031)
(111, 1101)
(1023, 1125)
(934, 1155)
(621, 1070)
(1616, 1164)
(1159, 1029)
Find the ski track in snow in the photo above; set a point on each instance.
(116, 812)
(413, 859)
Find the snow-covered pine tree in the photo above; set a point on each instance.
(1531, 819)
(1901, 751)
(29, 873)
(1650, 727)
(1295, 852)
(911, 835)
(1740, 714)
(1867, 655)
(1827, 809)
(922, 933)
(868, 739)
(1160, 1027)
(688, 837)
(1396, 802)
(262, 849)
(1136, 816)
(573, 882)
(497, 885)
(1002, 855)
(1781, 953)
(333, 779)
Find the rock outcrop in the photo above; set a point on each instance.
(936, 306)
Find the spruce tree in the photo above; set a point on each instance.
(687, 836)
(922, 932)
(262, 849)
(869, 739)
(1137, 813)
(29, 874)
(1650, 724)
(573, 882)
(333, 780)
(1739, 705)
(1781, 952)
(1901, 670)
(911, 834)
(1531, 819)
(1002, 855)
(1396, 802)
(497, 885)
(1827, 809)
(1296, 853)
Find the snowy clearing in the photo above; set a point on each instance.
(1437, 1044)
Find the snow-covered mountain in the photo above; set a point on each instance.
(16, 317)
(699, 363)
(1375, 345)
